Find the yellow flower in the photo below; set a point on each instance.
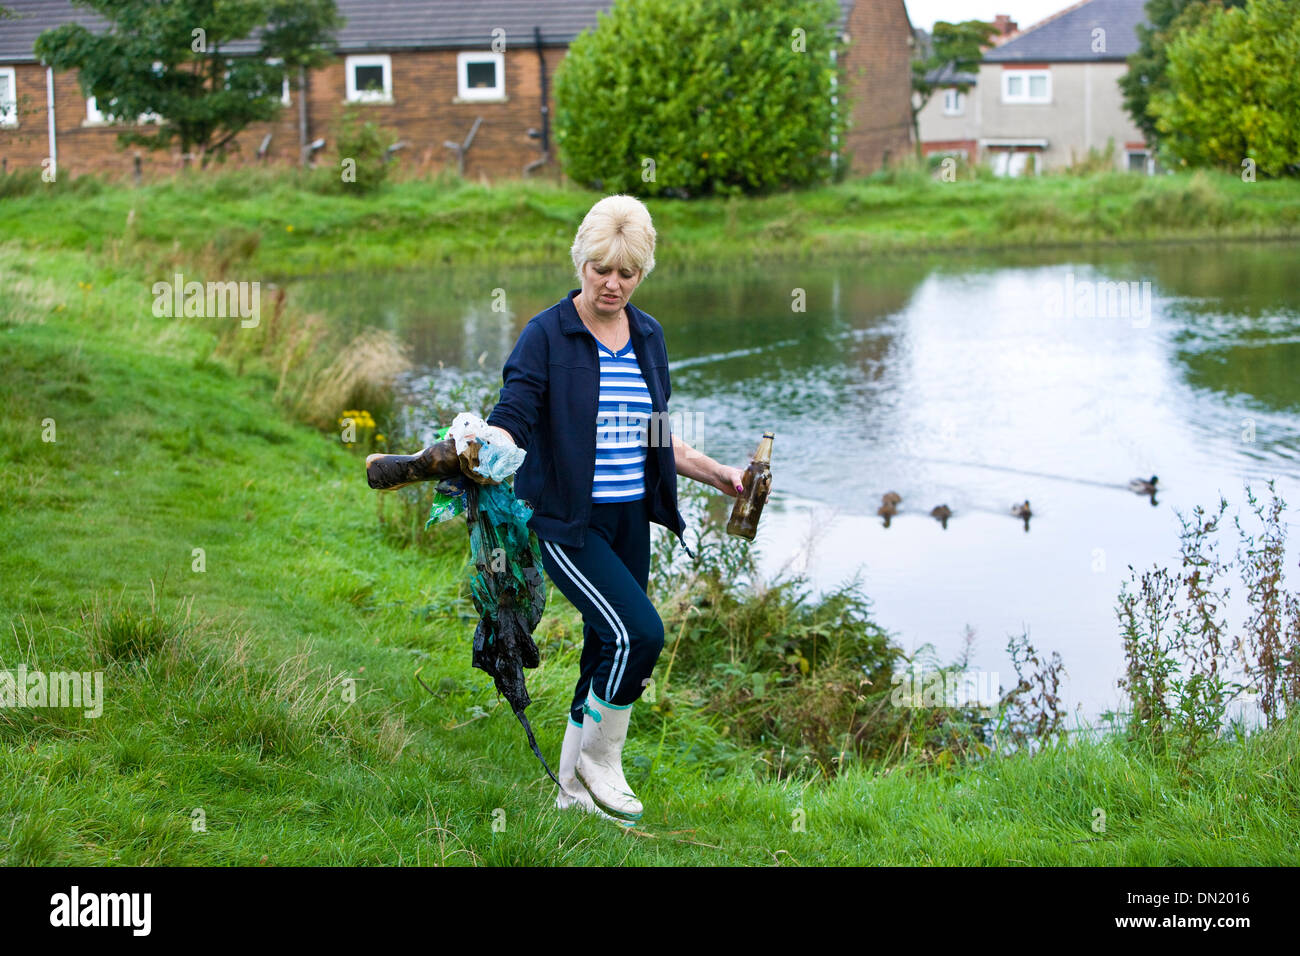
(288, 228)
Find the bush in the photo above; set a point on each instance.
(1180, 203)
(771, 666)
(363, 163)
(1231, 95)
(687, 97)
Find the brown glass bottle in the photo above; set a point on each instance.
(757, 482)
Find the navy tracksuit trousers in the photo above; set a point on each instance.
(606, 580)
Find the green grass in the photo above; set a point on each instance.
(293, 230)
(274, 691)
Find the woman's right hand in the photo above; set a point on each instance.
(497, 435)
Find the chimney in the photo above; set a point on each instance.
(1005, 25)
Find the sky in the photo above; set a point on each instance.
(923, 13)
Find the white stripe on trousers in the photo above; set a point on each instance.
(622, 644)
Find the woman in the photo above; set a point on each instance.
(586, 393)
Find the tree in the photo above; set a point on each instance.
(168, 62)
(1232, 97)
(685, 97)
(955, 49)
(1147, 67)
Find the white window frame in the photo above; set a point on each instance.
(285, 98)
(350, 77)
(1147, 157)
(465, 92)
(957, 106)
(95, 116)
(1024, 97)
(9, 107)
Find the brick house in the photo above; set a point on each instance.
(878, 71)
(1048, 93)
(430, 71)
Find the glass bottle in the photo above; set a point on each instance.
(757, 482)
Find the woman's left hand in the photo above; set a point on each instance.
(728, 480)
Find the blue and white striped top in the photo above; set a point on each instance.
(622, 427)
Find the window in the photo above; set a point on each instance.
(481, 76)
(954, 102)
(370, 79)
(1137, 161)
(285, 98)
(1026, 86)
(95, 116)
(8, 97)
(151, 117)
(284, 84)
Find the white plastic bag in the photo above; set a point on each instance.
(497, 460)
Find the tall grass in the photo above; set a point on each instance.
(1183, 670)
(362, 375)
(319, 367)
(212, 675)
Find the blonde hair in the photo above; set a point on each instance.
(616, 233)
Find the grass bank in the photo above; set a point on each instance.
(284, 228)
(259, 634)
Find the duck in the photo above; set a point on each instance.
(891, 498)
(1022, 510)
(943, 513)
(887, 510)
(1143, 487)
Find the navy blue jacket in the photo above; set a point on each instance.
(549, 403)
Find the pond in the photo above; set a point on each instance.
(970, 380)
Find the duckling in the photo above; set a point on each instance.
(943, 513)
(887, 510)
(1143, 487)
(1022, 511)
(891, 498)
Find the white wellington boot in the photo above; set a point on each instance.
(572, 792)
(600, 760)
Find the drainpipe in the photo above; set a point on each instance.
(835, 113)
(546, 107)
(49, 109)
(303, 139)
(543, 134)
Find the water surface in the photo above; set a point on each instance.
(973, 381)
